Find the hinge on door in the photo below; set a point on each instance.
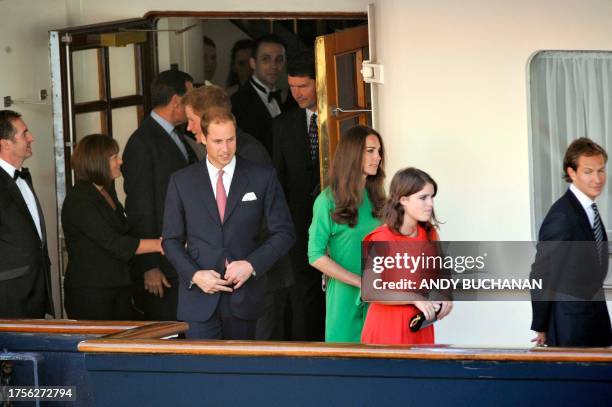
(66, 39)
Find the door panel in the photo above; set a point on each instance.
(342, 96)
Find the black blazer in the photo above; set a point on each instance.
(97, 239)
(196, 239)
(150, 157)
(299, 177)
(570, 267)
(25, 279)
(252, 115)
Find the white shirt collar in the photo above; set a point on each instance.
(309, 114)
(10, 170)
(268, 90)
(584, 200)
(166, 125)
(227, 170)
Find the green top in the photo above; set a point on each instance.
(345, 312)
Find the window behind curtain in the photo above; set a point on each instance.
(570, 97)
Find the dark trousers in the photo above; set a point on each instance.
(113, 304)
(222, 324)
(150, 307)
(296, 313)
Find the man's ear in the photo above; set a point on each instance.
(571, 173)
(252, 63)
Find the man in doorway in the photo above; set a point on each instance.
(296, 158)
(153, 152)
(213, 216)
(574, 272)
(25, 280)
(259, 101)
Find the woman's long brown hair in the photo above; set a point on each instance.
(346, 176)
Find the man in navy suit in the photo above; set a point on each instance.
(212, 221)
(573, 312)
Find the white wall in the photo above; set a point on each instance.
(24, 62)
(454, 103)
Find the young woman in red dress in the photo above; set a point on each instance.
(409, 217)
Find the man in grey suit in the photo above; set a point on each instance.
(25, 282)
(212, 222)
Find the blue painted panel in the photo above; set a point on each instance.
(284, 381)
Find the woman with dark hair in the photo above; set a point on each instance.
(240, 70)
(343, 214)
(409, 217)
(97, 283)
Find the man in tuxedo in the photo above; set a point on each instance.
(572, 311)
(296, 158)
(153, 152)
(25, 280)
(214, 211)
(258, 101)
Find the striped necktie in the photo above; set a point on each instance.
(313, 137)
(598, 231)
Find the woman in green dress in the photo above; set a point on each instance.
(343, 214)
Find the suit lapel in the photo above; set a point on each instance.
(15, 194)
(303, 143)
(240, 181)
(166, 141)
(581, 214)
(207, 193)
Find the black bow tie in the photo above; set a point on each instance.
(272, 94)
(24, 173)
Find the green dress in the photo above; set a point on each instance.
(345, 313)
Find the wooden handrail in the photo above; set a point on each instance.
(309, 349)
(67, 326)
(152, 331)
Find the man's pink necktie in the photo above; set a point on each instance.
(221, 195)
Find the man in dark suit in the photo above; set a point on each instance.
(271, 325)
(572, 311)
(258, 101)
(212, 222)
(25, 280)
(296, 158)
(153, 152)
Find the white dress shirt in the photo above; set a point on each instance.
(272, 106)
(26, 193)
(228, 174)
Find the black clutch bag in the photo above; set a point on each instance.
(419, 321)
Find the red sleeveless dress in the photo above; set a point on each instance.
(388, 324)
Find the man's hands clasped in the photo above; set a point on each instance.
(236, 274)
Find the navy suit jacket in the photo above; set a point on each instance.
(571, 270)
(150, 157)
(196, 239)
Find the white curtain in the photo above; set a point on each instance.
(571, 97)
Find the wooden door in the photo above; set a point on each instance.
(343, 98)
